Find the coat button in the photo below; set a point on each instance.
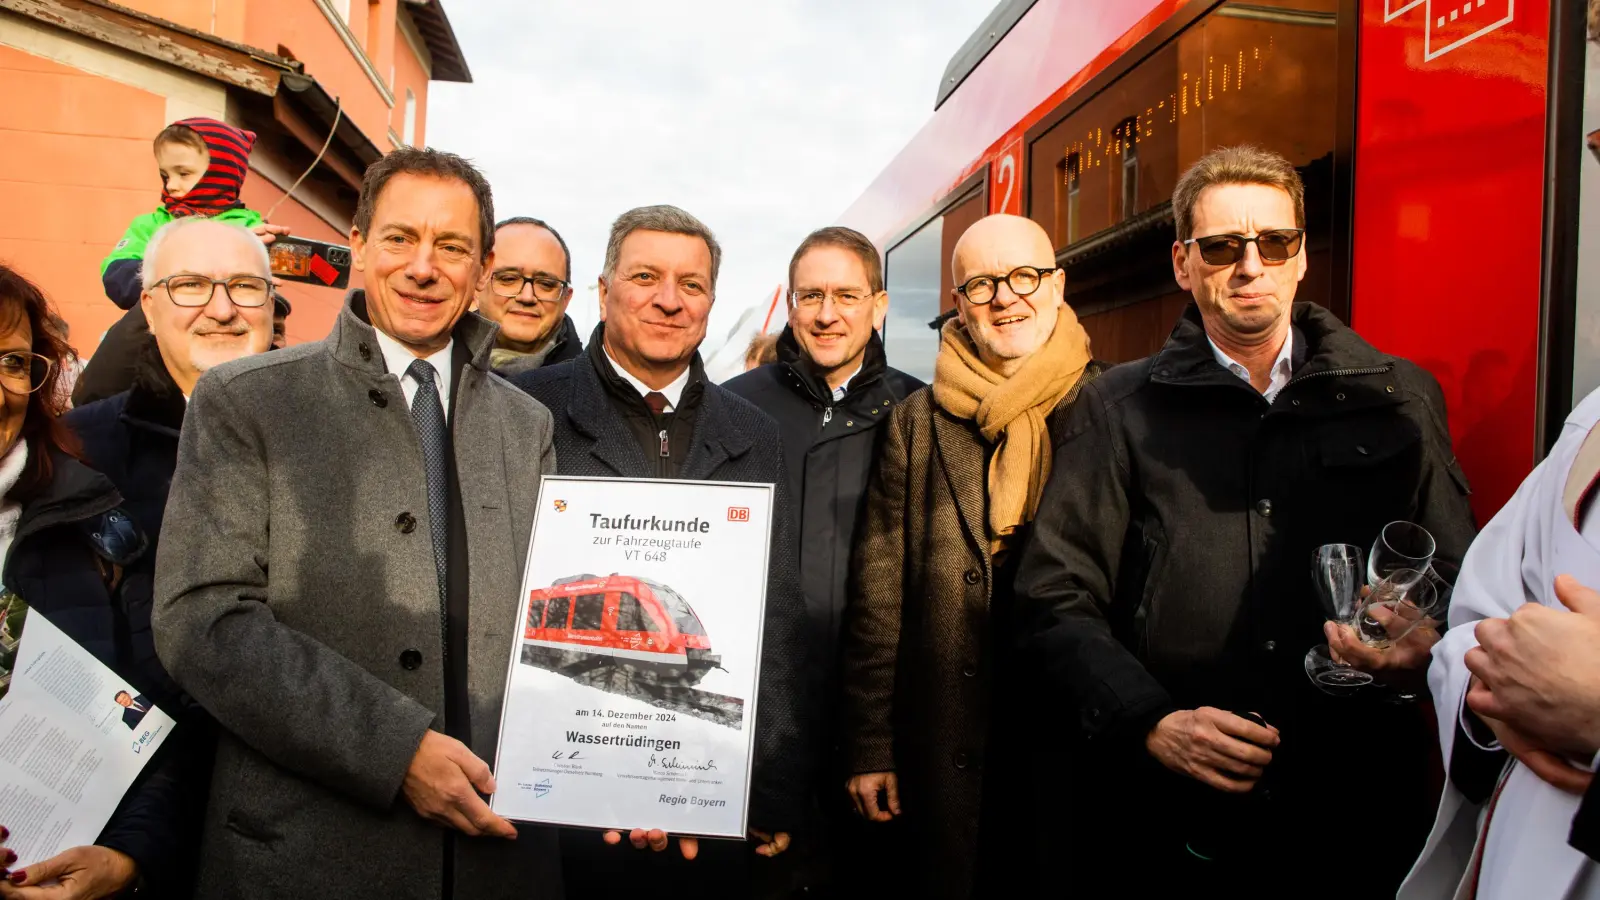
(1338, 396)
(377, 398)
(1362, 450)
(973, 576)
(1264, 507)
(970, 670)
(961, 760)
(411, 659)
(405, 523)
(1270, 646)
(364, 350)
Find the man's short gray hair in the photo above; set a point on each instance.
(147, 267)
(669, 219)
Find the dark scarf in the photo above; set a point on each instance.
(218, 190)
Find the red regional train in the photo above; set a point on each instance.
(1440, 142)
(590, 619)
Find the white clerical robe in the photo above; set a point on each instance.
(1514, 561)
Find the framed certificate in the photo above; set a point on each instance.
(631, 690)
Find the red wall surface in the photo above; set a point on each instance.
(75, 168)
(1449, 199)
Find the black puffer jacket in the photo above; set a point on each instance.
(1169, 568)
(60, 570)
(828, 447)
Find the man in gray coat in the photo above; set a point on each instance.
(339, 573)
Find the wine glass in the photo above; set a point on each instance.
(1397, 606)
(1336, 571)
(1400, 545)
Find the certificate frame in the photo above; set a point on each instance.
(646, 688)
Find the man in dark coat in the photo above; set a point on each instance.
(932, 728)
(99, 588)
(527, 296)
(829, 391)
(339, 570)
(637, 404)
(1167, 592)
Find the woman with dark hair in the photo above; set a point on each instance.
(70, 553)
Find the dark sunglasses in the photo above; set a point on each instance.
(1279, 245)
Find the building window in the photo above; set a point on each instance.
(410, 133)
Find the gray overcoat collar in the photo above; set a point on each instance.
(354, 340)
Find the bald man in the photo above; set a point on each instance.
(931, 726)
(1166, 591)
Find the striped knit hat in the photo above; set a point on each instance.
(218, 190)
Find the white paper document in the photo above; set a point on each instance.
(73, 736)
(631, 690)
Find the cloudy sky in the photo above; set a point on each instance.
(764, 119)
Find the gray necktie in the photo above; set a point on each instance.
(427, 414)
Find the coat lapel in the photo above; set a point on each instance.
(715, 441)
(592, 416)
(961, 457)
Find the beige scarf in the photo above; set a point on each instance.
(1010, 412)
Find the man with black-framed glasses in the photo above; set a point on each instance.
(527, 296)
(936, 728)
(1166, 591)
(206, 299)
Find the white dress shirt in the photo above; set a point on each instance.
(1282, 367)
(844, 386)
(398, 359)
(673, 392)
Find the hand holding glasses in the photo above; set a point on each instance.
(1402, 594)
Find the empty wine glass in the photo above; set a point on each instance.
(1397, 606)
(1400, 545)
(1336, 572)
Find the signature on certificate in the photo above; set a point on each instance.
(675, 763)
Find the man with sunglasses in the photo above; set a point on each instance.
(527, 296)
(1166, 589)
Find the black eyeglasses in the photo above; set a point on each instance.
(1276, 246)
(197, 290)
(1023, 280)
(508, 284)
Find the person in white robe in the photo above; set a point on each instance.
(1516, 683)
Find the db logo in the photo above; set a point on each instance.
(561, 506)
(738, 514)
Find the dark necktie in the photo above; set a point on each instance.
(657, 402)
(427, 414)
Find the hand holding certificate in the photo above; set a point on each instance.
(631, 691)
(73, 736)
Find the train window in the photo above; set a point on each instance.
(556, 617)
(912, 277)
(1262, 72)
(1073, 166)
(631, 615)
(1128, 133)
(588, 612)
(917, 275)
(536, 613)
